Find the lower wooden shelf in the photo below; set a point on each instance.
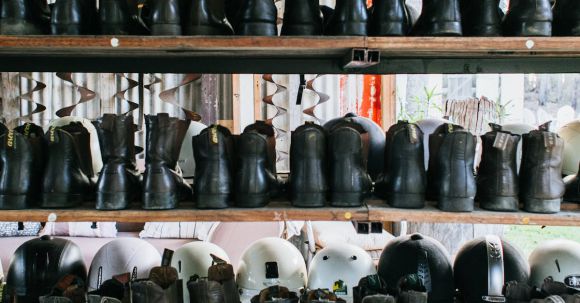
(374, 210)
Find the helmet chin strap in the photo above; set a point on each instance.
(495, 270)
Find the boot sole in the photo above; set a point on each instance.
(160, 201)
(308, 200)
(349, 29)
(499, 203)
(452, 204)
(347, 199)
(166, 30)
(54, 200)
(450, 28)
(258, 29)
(12, 27)
(300, 30)
(113, 201)
(14, 201)
(212, 201)
(534, 29)
(66, 29)
(542, 206)
(252, 200)
(386, 29)
(406, 200)
(486, 31)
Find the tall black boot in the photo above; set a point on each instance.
(389, 18)
(541, 185)
(257, 18)
(165, 18)
(255, 176)
(497, 178)
(302, 18)
(566, 18)
(213, 183)
(201, 18)
(163, 187)
(349, 181)
(528, 18)
(73, 17)
(308, 182)
(114, 17)
(350, 18)
(67, 177)
(572, 188)
(435, 141)
(24, 17)
(21, 166)
(439, 18)
(481, 18)
(404, 179)
(118, 183)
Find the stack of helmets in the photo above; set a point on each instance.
(559, 259)
(484, 265)
(570, 133)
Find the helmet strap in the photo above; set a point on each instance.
(495, 270)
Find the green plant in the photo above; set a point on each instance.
(420, 104)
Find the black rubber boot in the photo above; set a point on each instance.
(566, 18)
(67, 177)
(350, 18)
(201, 18)
(255, 176)
(302, 18)
(118, 183)
(24, 17)
(497, 178)
(435, 141)
(404, 179)
(73, 17)
(439, 18)
(114, 17)
(389, 18)
(21, 166)
(572, 188)
(163, 186)
(308, 183)
(481, 18)
(165, 18)
(528, 18)
(213, 151)
(257, 18)
(541, 185)
(349, 181)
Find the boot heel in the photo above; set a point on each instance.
(66, 29)
(535, 28)
(252, 200)
(450, 28)
(258, 29)
(394, 28)
(212, 201)
(167, 200)
(499, 203)
(488, 31)
(406, 200)
(166, 30)
(308, 199)
(346, 199)
(456, 204)
(14, 201)
(113, 201)
(542, 206)
(53, 200)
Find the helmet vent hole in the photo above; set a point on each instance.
(179, 266)
(272, 270)
(558, 265)
(325, 258)
(354, 258)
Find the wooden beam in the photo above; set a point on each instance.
(10, 98)
(258, 105)
(389, 100)
(236, 125)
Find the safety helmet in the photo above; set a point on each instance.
(126, 255)
(186, 160)
(420, 255)
(559, 259)
(518, 129)
(376, 141)
(570, 133)
(38, 264)
(339, 268)
(484, 265)
(267, 262)
(428, 126)
(194, 259)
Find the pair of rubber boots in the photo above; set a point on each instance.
(249, 159)
(404, 181)
(329, 162)
(191, 17)
(539, 18)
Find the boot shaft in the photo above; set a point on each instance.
(302, 17)
(73, 17)
(205, 17)
(528, 18)
(16, 160)
(114, 17)
(349, 18)
(117, 138)
(69, 147)
(164, 138)
(566, 16)
(267, 130)
(439, 18)
(389, 18)
(257, 17)
(165, 17)
(481, 18)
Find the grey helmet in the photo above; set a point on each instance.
(186, 161)
(559, 259)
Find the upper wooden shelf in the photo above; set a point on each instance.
(325, 55)
(374, 210)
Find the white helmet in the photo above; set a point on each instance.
(268, 262)
(186, 161)
(570, 133)
(195, 259)
(428, 126)
(559, 259)
(123, 256)
(518, 129)
(339, 267)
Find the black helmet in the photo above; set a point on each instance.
(38, 264)
(484, 265)
(376, 141)
(420, 255)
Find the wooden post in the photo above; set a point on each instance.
(258, 97)
(236, 126)
(10, 99)
(389, 100)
